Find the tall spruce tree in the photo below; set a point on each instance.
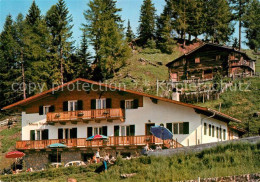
(251, 22)
(218, 15)
(34, 42)
(34, 14)
(59, 22)
(147, 21)
(129, 33)
(82, 60)
(239, 8)
(164, 34)
(104, 30)
(10, 69)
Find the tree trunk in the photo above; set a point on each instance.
(23, 76)
(61, 65)
(240, 24)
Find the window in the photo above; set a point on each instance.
(178, 128)
(72, 105)
(98, 131)
(197, 60)
(213, 131)
(39, 134)
(89, 131)
(128, 130)
(66, 133)
(224, 134)
(46, 109)
(220, 133)
(205, 128)
(217, 132)
(129, 104)
(209, 129)
(100, 103)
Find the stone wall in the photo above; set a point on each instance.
(239, 178)
(198, 148)
(38, 160)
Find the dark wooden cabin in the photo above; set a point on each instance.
(205, 61)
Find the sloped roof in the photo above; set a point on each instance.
(43, 94)
(209, 44)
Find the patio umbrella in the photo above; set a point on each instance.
(161, 132)
(57, 145)
(14, 155)
(96, 137)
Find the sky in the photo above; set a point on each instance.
(130, 10)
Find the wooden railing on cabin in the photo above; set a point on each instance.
(82, 142)
(85, 115)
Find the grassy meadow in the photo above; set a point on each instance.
(223, 160)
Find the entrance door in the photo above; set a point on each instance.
(148, 127)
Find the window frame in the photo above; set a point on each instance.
(179, 126)
(44, 109)
(75, 105)
(102, 103)
(132, 103)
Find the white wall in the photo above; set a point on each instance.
(162, 112)
(216, 123)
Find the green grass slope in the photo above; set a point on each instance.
(8, 138)
(223, 160)
(142, 77)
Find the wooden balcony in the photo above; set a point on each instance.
(87, 115)
(82, 143)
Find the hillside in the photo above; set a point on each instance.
(223, 160)
(8, 137)
(142, 76)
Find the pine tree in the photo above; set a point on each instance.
(251, 22)
(107, 37)
(164, 35)
(59, 22)
(147, 22)
(82, 60)
(195, 20)
(129, 33)
(34, 14)
(218, 15)
(239, 8)
(9, 70)
(34, 42)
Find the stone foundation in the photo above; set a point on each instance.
(38, 160)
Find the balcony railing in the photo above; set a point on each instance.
(85, 115)
(81, 142)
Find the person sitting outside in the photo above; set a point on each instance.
(98, 155)
(158, 147)
(94, 159)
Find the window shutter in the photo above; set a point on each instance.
(116, 130)
(136, 103)
(60, 133)
(169, 126)
(40, 110)
(104, 130)
(52, 108)
(73, 133)
(109, 103)
(32, 134)
(93, 103)
(80, 105)
(45, 134)
(122, 104)
(89, 131)
(65, 106)
(186, 128)
(132, 130)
